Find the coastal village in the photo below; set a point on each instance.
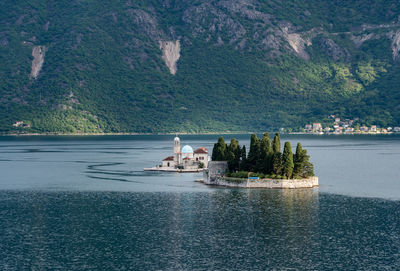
(347, 126)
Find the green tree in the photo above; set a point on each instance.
(277, 163)
(214, 152)
(303, 168)
(219, 152)
(243, 159)
(277, 155)
(298, 161)
(233, 155)
(287, 161)
(308, 169)
(254, 153)
(276, 143)
(230, 158)
(266, 155)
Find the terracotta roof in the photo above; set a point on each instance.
(201, 150)
(169, 158)
(186, 158)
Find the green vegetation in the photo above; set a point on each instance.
(258, 161)
(106, 54)
(287, 161)
(302, 165)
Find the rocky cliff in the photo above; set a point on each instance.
(38, 53)
(171, 54)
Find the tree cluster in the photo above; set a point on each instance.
(264, 157)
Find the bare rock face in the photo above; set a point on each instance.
(297, 43)
(171, 54)
(359, 40)
(4, 41)
(207, 19)
(333, 50)
(145, 23)
(396, 45)
(38, 53)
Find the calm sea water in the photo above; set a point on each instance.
(79, 203)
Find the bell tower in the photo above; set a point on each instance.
(177, 145)
(177, 149)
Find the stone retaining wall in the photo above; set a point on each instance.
(264, 183)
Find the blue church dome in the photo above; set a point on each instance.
(187, 149)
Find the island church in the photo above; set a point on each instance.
(186, 158)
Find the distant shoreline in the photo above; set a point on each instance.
(180, 133)
(112, 134)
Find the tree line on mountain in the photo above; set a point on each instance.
(264, 158)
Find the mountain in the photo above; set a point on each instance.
(197, 66)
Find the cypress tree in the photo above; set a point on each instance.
(303, 168)
(308, 166)
(238, 155)
(214, 152)
(277, 155)
(254, 153)
(277, 163)
(287, 161)
(230, 157)
(243, 159)
(234, 154)
(266, 154)
(219, 151)
(298, 161)
(276, 143)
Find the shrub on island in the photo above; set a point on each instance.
(264, 159)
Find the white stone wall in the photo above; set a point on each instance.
(171, 164)
(201, 157)
(264, 183)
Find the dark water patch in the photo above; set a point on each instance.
(97, 166)
(110, 179)
(41, 150)
(341, 145)
(219, 230)
(118, 173)
(389, 153)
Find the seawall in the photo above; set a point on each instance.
(263, 183)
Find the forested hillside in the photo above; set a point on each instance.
(156, 66)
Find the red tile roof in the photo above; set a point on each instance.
(169, 158)
(201, 150)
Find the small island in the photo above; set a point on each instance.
(265, 166)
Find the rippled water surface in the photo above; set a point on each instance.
(85, 203)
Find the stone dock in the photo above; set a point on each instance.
(173, 170)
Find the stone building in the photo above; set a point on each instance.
(186, 158)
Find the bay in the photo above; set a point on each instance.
(85, 203)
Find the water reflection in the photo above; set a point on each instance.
(221, 230)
